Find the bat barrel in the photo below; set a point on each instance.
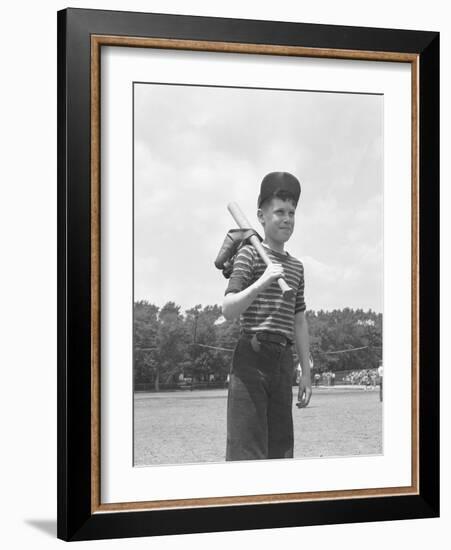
(238, 215)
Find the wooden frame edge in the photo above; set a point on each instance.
(235, 47)
(95, 276)
(254, 500)
(109, 40)
(415, 271)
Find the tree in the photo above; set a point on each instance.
(145, 341)
(339, 330)
(202, 325)
(166, 342)
(172, 340)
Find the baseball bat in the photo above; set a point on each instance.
(243, 223)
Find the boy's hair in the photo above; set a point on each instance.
(279, 194)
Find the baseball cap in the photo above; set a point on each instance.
(279, 181)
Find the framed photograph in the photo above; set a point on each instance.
(248, 274)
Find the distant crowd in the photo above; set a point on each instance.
(367, 377)
(325, 379)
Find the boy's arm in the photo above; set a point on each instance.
(236, 302)
(303, 348)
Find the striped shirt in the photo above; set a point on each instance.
(269, 311)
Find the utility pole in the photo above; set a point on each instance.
(196, 316)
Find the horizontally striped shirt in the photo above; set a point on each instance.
(269, 311)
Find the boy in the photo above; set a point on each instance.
(259, 407)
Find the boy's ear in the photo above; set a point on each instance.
(260, 216)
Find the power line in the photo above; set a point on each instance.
(210, 347)
(341, 350)
(231, 350)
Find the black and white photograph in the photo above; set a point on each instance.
(196, 195)
(257, 274)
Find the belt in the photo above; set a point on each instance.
(272, 337)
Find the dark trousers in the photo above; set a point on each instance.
(259, 406)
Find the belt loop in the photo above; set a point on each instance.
(256, 346)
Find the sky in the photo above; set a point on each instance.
(198, 148)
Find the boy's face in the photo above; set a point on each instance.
(277, 218)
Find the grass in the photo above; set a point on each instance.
(190, 426)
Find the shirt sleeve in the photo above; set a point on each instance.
(242, 271)
(300, 301)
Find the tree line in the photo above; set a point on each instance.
(170, 345)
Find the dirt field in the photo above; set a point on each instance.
(190, 426)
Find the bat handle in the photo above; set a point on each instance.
(287, 291)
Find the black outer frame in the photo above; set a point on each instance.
(75, 520)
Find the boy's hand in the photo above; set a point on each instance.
(305, 392)
(272, 273)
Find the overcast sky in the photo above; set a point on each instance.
(198, 148)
